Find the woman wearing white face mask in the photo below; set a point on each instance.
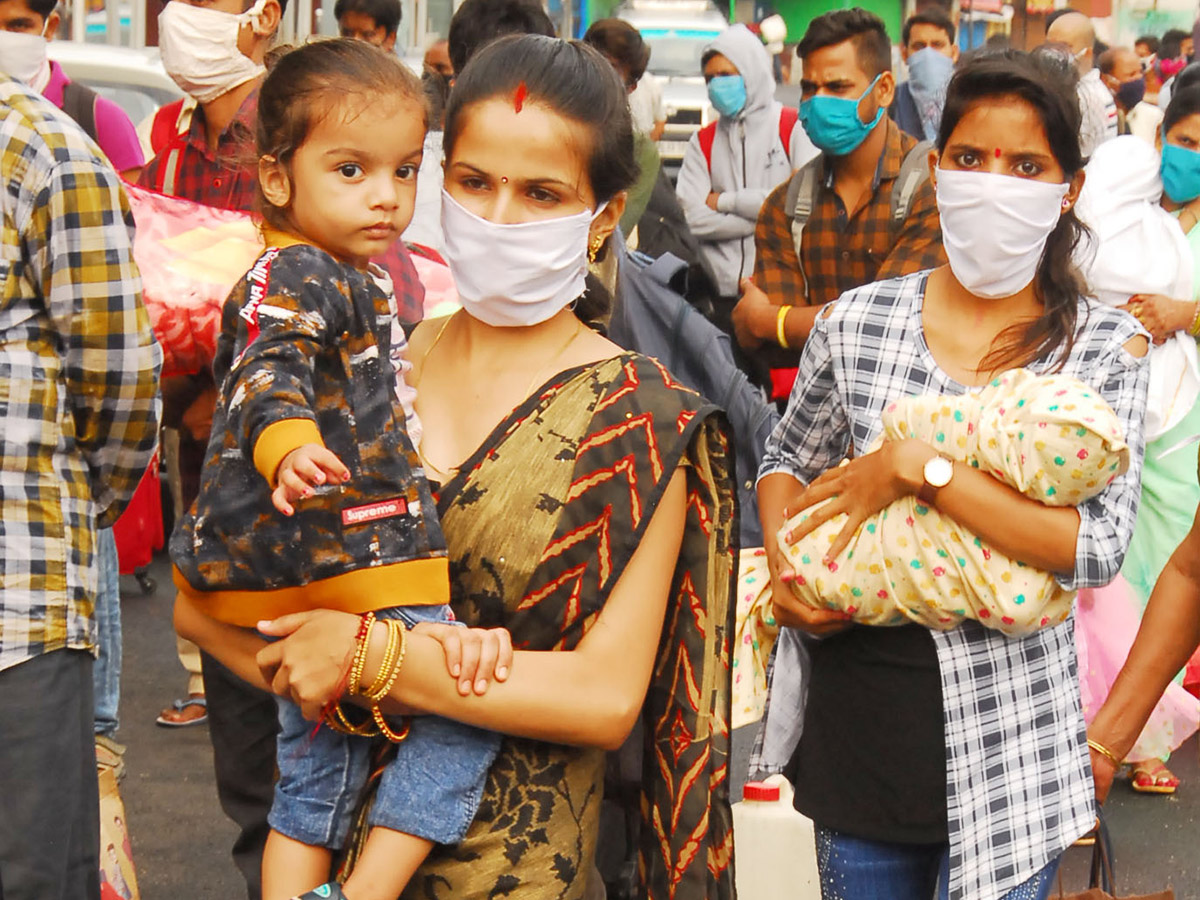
(951, 744)
(586, 499)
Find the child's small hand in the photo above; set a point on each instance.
(305, 468)
(474, 656)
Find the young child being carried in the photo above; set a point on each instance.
(1048, 436)
(312, 494)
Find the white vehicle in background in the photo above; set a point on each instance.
(133, 79)
(677, 31)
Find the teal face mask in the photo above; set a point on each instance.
(1180, 173)
(833, 124)
(727, 94)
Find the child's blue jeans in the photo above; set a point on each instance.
(431, 789)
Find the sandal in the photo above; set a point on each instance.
(110, 755)
(331, 891)
(1152, 777)
(174, 716)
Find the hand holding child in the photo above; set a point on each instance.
(307, 467)
(474, 656)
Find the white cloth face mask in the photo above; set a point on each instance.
(23, 56)
(994, 228)
(515, 275)
(199, 48)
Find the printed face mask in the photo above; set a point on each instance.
(1180, 173)
(199, 48)
(994, 228)
(833, 124)
(727, 93)
(23, 56)
(929, 73)
(515, 275)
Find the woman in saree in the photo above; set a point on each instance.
(587, 504)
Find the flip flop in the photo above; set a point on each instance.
(1153, 778)
(180, 706)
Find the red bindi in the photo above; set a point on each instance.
(519, 97)
(997, 153)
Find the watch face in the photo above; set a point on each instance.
(938, 471)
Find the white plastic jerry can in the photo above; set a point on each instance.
(774, 853)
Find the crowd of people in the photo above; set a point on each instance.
(449, 585)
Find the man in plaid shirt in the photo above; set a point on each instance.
(850, 238)
(79, 392)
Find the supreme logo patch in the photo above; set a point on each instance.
(372, 512)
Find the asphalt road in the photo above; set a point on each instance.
(181, 839)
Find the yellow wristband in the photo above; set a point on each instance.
(780, 333)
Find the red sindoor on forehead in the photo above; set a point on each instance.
(997, 153)
(519, 96)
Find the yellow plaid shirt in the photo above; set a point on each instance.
(79, 371)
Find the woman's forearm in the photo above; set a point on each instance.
(1040, 536)
(1168, 636)
(557, 697)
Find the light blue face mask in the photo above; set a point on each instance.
(929, 72)
(1180, 173)
(727, 93)
(833, 124)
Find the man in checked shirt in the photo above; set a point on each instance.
(859, 228)
(79, 400)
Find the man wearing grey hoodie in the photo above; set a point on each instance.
(730, 167)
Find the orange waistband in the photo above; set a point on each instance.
(417, 582)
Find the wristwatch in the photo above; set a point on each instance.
(938, 472)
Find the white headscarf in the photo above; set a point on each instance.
(1137, 247)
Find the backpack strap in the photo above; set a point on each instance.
(914, 172)
(707, 135)
(788, 116)
(79, 102)
(801, 199)
(163, 128)
(171, 125)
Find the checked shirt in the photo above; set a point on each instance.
(78, 374)
(845, 252)
(1018, 781)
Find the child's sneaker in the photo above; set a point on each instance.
(331, 891)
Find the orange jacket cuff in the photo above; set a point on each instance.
(279, 439)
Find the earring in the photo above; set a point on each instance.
(1066, 204)
(594, 247)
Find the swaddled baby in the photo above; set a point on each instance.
(1052, 438)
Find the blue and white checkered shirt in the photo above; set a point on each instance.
(1018, 779)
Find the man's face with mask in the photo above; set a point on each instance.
(1126, 81)
(210, 47)
(923, 36)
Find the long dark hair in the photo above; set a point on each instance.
(575, 81)
(1047, 88)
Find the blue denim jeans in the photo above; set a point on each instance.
(431, 789)
(854, 868)
(106, 674)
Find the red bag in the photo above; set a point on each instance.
(139, 530)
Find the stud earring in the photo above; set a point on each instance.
(1066, 204)
(594, 247)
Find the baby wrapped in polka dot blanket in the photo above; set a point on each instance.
(1049, 436)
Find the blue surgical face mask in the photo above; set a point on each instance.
(727, 94)
(833, 124)
(1180, 173)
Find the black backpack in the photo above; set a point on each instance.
(79, 102)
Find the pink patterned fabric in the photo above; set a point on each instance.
(1106, 622)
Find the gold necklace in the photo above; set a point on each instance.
(533, 382)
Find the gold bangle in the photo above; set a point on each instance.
(1194, 328)
(1104, 751)
(385, 665)
(360, 654)
(382, 725)
(780, 333)
(379, 691)
(338, 722)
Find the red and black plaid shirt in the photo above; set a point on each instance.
(844, 252)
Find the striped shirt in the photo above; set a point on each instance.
(1018, 779)
(78, 374)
